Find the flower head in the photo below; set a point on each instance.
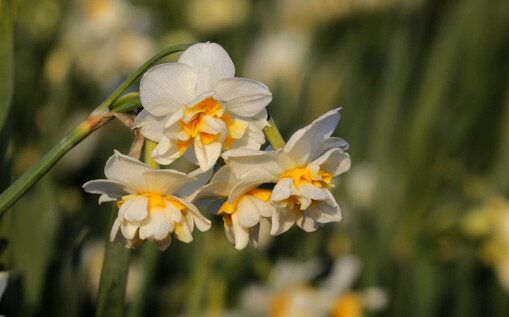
(242, 216)
(303, 171)
(149, 204)
(196, 106)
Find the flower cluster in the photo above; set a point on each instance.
(197, 109)
(292, 289)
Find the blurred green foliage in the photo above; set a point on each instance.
(424, 91)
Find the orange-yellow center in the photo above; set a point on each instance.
(194, 125)
(348, 305)
(227, 209)
(154, 200)
(323, 179)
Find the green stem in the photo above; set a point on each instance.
(148, 148)
(30, 177)
(96, 119)
(112, 287)
(273, 136)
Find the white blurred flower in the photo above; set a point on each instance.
(303, 171)
(196, 105)
(361, 182)
(242, 216)
(286, 293)
(336, 292)
(149, 204)
(289, 292)
(104, 40)
(279, 56)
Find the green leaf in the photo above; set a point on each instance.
(6, 90)
(110, 299)
(6, 59)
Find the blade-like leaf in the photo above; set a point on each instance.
(110, 299)
(6, 90)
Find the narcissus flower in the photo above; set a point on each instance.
(242, 215)
(197, 107)
(303, 171)
(150, 202)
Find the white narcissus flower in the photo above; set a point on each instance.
(196, 106)
(303, 171)
(149, 208)
(242, 216)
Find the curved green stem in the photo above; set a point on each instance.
(273, 136)
(96, 119)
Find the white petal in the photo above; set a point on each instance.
(165, 152)
(167, 87)
(105, 198)
(243, 97)
(254, 233)
(213, 125)
(251, 182)
(212, 192)
(303, 143)
(264, 208)
(207, 154)
(306, 222)
(210, 62)
(165, 181)
(114, 230)
(128, 230)
(202, 223)
(282, 220)
(325, 211)
(246, 163)
(173, 128)
(134, 209)
(334, 162)
(247, 211)
(156, 226)
(267, 211)
(150, 126)
(164, 243)
(111, 188)
(190, 220)
(183, 232)
(329, 144)
(190, 189)
(224, 174)
(172, 213)
(228, 230)
(241, 234)
(312, 192)
(260, 120)
(125, 169)
(253, 138)
(282, 190)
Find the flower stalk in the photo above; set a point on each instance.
(101, 115)
(273, 135)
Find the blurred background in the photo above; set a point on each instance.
(424, 91)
